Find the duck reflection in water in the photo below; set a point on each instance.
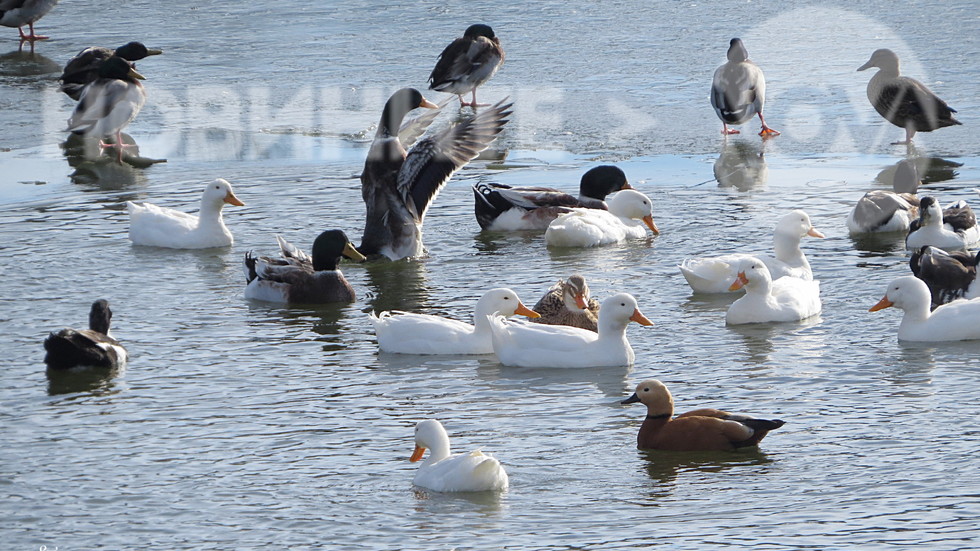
(397, 285)
(79, 150)
(19, 63)
(741, 165)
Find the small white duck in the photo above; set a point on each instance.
(444, 472)
(738, 90)
(952, 229)
(535, 345)
(715, 275)
(162, 227)
(887, 211)
(765, 300)
(957, 321)
(629, 210)
(407, 333)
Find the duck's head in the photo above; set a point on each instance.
(796, 224)
(906, 179)
(906, 292)
(329, 246)
(479, 29)
(398, 105)
(751, 273)
(736, 51)
(219, 192)
(929, 211)
(503, 302)
(655, 396)
(135, 51)
(100, 316)
(883, 58)
(118, 68)
(575, 293)
(600, 181)
(632, 204)
(428, 433)
(622, 308)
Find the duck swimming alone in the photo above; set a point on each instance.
(298, 278)
(949, 275)
(957, 321)
(886, 211)
(568, 303)
(467, 62)
(904, 101)
(407, 333)
(84, 67)
(503, 208)
(952, 228)
(444, 472)
(698, 430)
(738, 91)
(715, 274)
(398, 187)
(534, 345)
(69, 348)
(109, 103)
(785, 299)
(17, 13)
(629, 211)
(162, 227)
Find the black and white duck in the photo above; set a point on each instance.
(467, 62)
(68, 348)
(952, 228)
(84, 67)
(950, 275)
(109, 103)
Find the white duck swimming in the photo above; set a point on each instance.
(715, 275)
(765, 300)
(951, 229)
(957, 321)
(163, 227)
(407, 333)
(535, 345)
(886, 211)
(738, 90)
(629, 210)
(444, 472)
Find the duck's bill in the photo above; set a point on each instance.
(525, 311)
(580, 301)
(352, 253)
(648, 220)
(882, 304)
(865, 66)
(631, 400)
(739, 282)
(133, 74)
(640, 318)
(232, 200)
(150, 51)
(428, 104)
(417, 454)
(815, 233)
(626, 185)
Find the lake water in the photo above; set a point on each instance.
(241, 425)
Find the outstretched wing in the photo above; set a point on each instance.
(412, 129)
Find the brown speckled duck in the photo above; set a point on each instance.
(698, 430)
(568, 303)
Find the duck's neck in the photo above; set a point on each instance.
(569, 301)
(917, 311)
(612, 329)
(438, 450)
(654, 421)
(210, 213)
(787, 248)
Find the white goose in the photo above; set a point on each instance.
(629, 210)
(887, 211)
(407, 333)
(952, 229)
(715, 275)
(957, 321)
(535, 345)
(765, 300)
(163, 227)
(444, 472)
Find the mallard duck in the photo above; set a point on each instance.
(785, 299)
(163, 227)
(467, 62)
(299, 278)
(534, 345)
(398, 187)
(109, 103)
(444, 472)
(904, 101)
(568, 303)
(957, 321)
(629, 211)
(17, 13)
(887, 211)
(84, 67)
(738, 90)
(949, 275)
(952, 228)
(698, 430)
(68, 348)
(501, 207)
(715, 274)
(408, 333)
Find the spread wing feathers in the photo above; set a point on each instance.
(430, 164)
(412, 129)
(907, 102)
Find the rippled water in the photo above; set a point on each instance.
(243, 425)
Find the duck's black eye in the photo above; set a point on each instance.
(506, 298)
(646, 389)
(622, 304)
(217, 187)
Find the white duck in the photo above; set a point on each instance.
(629, 210)
(765, 300)
(163, 227)
(444, 472)
(887, 211)
(715, 275)
(535, 345)
(954, 228)
(957, 321)
(407, 333)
